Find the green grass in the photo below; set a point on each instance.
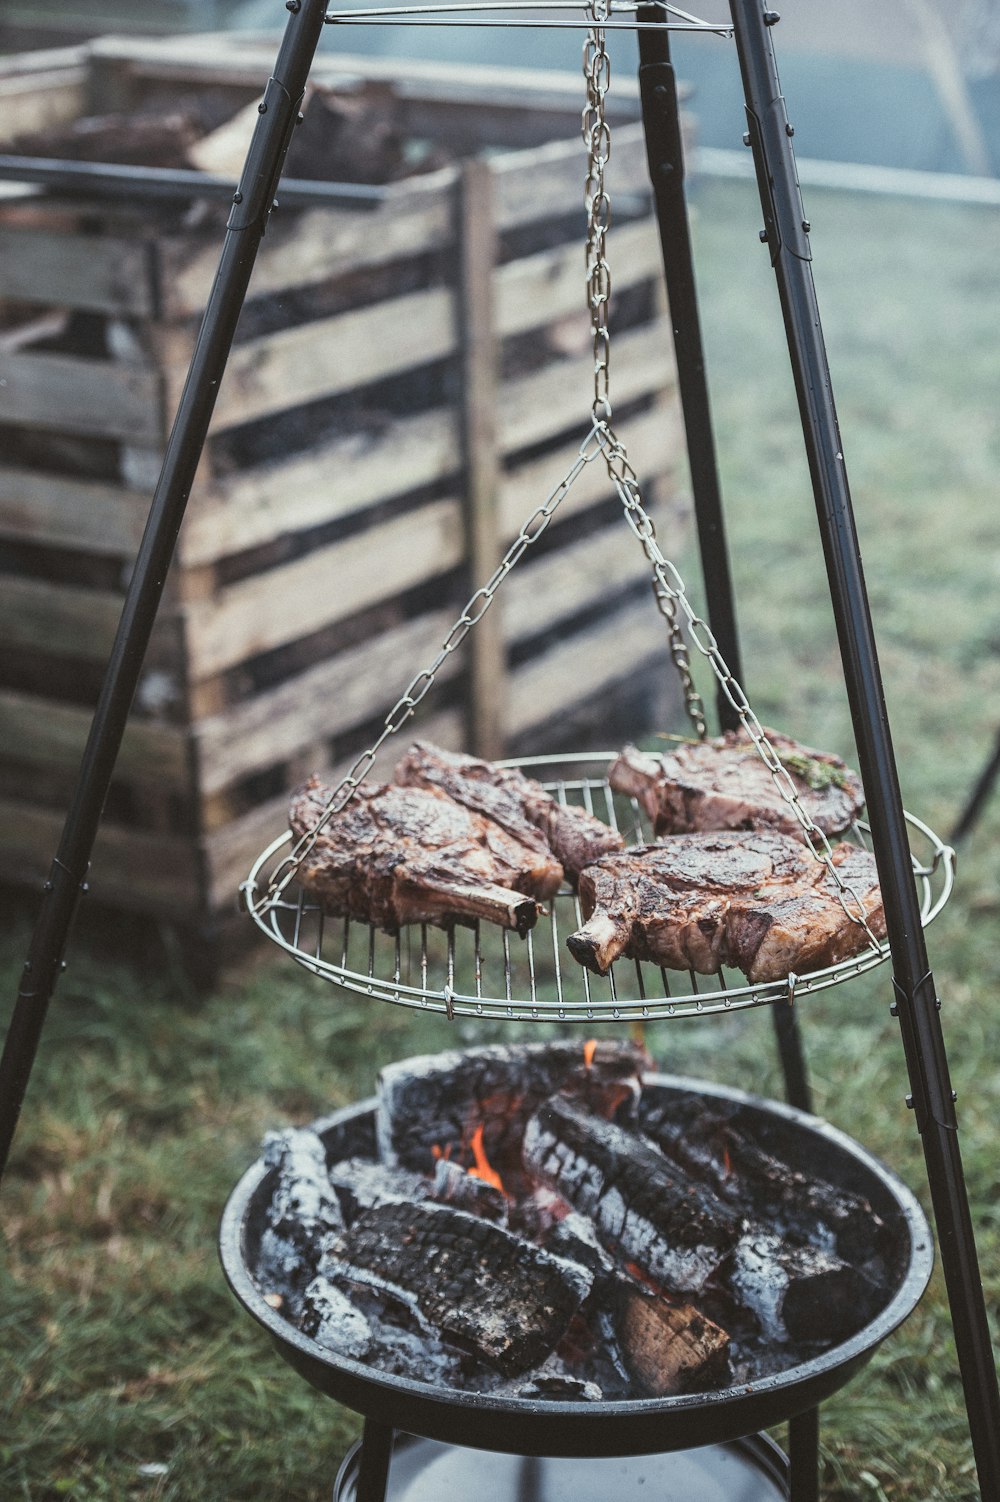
(119, 1345)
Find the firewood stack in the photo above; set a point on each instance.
(536, 1225)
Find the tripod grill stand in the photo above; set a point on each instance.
(786, 234)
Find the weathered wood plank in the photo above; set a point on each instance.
(356, 686)
(651, 441)
(49, 734)
(295, 494)
(535, 290)
(69, 394)
(585, 576)
(134, 869)
(101, 273)
(36, 100)
(586, 664)
(40, 615)
(557, 398)
(331, 355)
(326, 586)
(53, 511)
(311, 246)
(291, 495)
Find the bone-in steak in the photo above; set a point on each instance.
(518, 803)
(760, 901)
(724, 784)
(398, 855)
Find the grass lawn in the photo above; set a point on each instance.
(127, 1370)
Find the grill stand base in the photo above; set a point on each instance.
(424, 1470)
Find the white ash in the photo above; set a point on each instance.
(331, 1318)
(362, 1185)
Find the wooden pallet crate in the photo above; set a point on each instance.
(408, 384)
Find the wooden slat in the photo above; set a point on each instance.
(588, 575)
(326, 586)
(70, 394)
(309, 247)
(102, 273)
(557, 398)
(54, 511)
(45, 733)
(135, 869)
(38, 100)
(547, 181)
(41, 615)
(651, 441)
(335, 696)
(534, 290)
(586, 664)
(298, 493)
(323, 484)
(331, 355)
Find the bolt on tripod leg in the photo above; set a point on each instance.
(252, 205)
(786, 233)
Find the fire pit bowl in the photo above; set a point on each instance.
(529, 1426)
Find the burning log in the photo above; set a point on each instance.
(464, 1191)
(429, 1101)
(362, 1185)
(475, 1284)
(303, 1210)
(676, 1231)
(712, 1148)
(330, 1317)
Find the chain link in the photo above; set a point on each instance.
(668, 586)
(404, 707)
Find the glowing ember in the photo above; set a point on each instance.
(483, 1168)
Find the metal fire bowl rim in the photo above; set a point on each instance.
(616, 1427)
(294, 920)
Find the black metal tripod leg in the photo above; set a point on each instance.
(803, 1457)
(251, 207)
(376, 1457)
(786, 233)
(665, 155)
(661, 125)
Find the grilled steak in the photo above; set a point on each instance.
(406, 855)
(518, 803)
(759, 901)
(724, 784)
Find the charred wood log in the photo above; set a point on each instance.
(675, 1230)
(711, 1147)
(361, 1185)
(457, 1187)
(478, 1286)
(331, 1318)
(303, 1210)
(426, 1103)
(799, 1293)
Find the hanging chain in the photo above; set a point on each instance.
(418, 687)
(597, 136)
(668, 586)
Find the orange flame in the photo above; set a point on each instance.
(726, 1161)
(483, 1168)
(589, 1050)
(436, 1151)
